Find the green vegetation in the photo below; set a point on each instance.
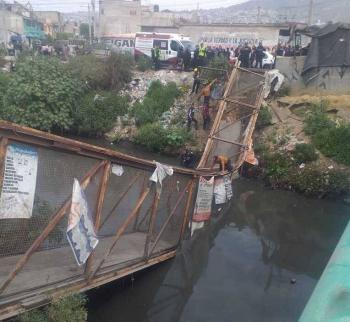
(144, 63)
(332, 139)
(159, 98)
(97, 113)
(90, 70)
(65, 309)
(304, 153)
(158, 139)
(264, 117)
(41, 94)
(281, 171)
(110, 74)
(64, 35)
(284, 91)
(219, 62)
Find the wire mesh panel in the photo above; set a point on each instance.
(52, 263)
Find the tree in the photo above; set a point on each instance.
(84, 30)
(41, 94)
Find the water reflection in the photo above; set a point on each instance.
(237, 269)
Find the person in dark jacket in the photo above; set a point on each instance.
(260, 52)
(187, 59)
(191, 119)
(196, 81)
(245, 55)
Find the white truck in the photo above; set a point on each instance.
(169, 45)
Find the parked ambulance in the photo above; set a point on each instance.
(169, 45)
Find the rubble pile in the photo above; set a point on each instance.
(136, 90)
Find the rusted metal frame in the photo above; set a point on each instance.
(151, 223)
(251, 72)
(121, 198)
(7, 311)
(144, 217)
(98, 212)
(217, 120)
(49, 228)
(187, 210)
(3, 148)
(58, 142)
(250, 127)
(181, 196)
(230, 142)
(235, 121)
(230, 100)
(211, 68)
(138, 213)
(121, 231)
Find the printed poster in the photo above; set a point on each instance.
(18, 190)
(204, 199)
(222, 189)
(80, 231)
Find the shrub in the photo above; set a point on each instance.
(90, 70)
(317, 120)
(41, 94)
(334, 142)
(152, 136)
(277, 168)
(283, 91)
(313, 182)
(159, 98)
(65, 309)
(119, 67)
(155, 138)
(264, 118)
(144, 63)
(96, 114)
(304, 153)
(4, 82)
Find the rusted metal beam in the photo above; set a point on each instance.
(49, 228)
(142, 189)
(22, 134)
(151, 223)
(144, 217)
(121, 197)
(230, 142)
(182, 194)
(216, 124)
(251, 72)
(121, 230)
(230, 100)
(98, 212)
(187, 211)
(233, 122)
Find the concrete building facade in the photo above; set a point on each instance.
(10, 24)
(52, 21)
(119, 17)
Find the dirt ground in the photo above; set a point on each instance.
(287, 127)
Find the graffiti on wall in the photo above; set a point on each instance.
(230, 39)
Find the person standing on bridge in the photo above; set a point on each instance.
(224, 163)
(206, 92)
(196, 81)
(191, 119)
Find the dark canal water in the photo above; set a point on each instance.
(237, 269)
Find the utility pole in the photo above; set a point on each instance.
(311, 10)
(89, 18)
(93, 18)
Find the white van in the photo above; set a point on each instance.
(169, 45)
(268, 60)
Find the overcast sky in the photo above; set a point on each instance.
(81, 5)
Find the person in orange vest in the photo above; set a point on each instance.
(224, 163)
